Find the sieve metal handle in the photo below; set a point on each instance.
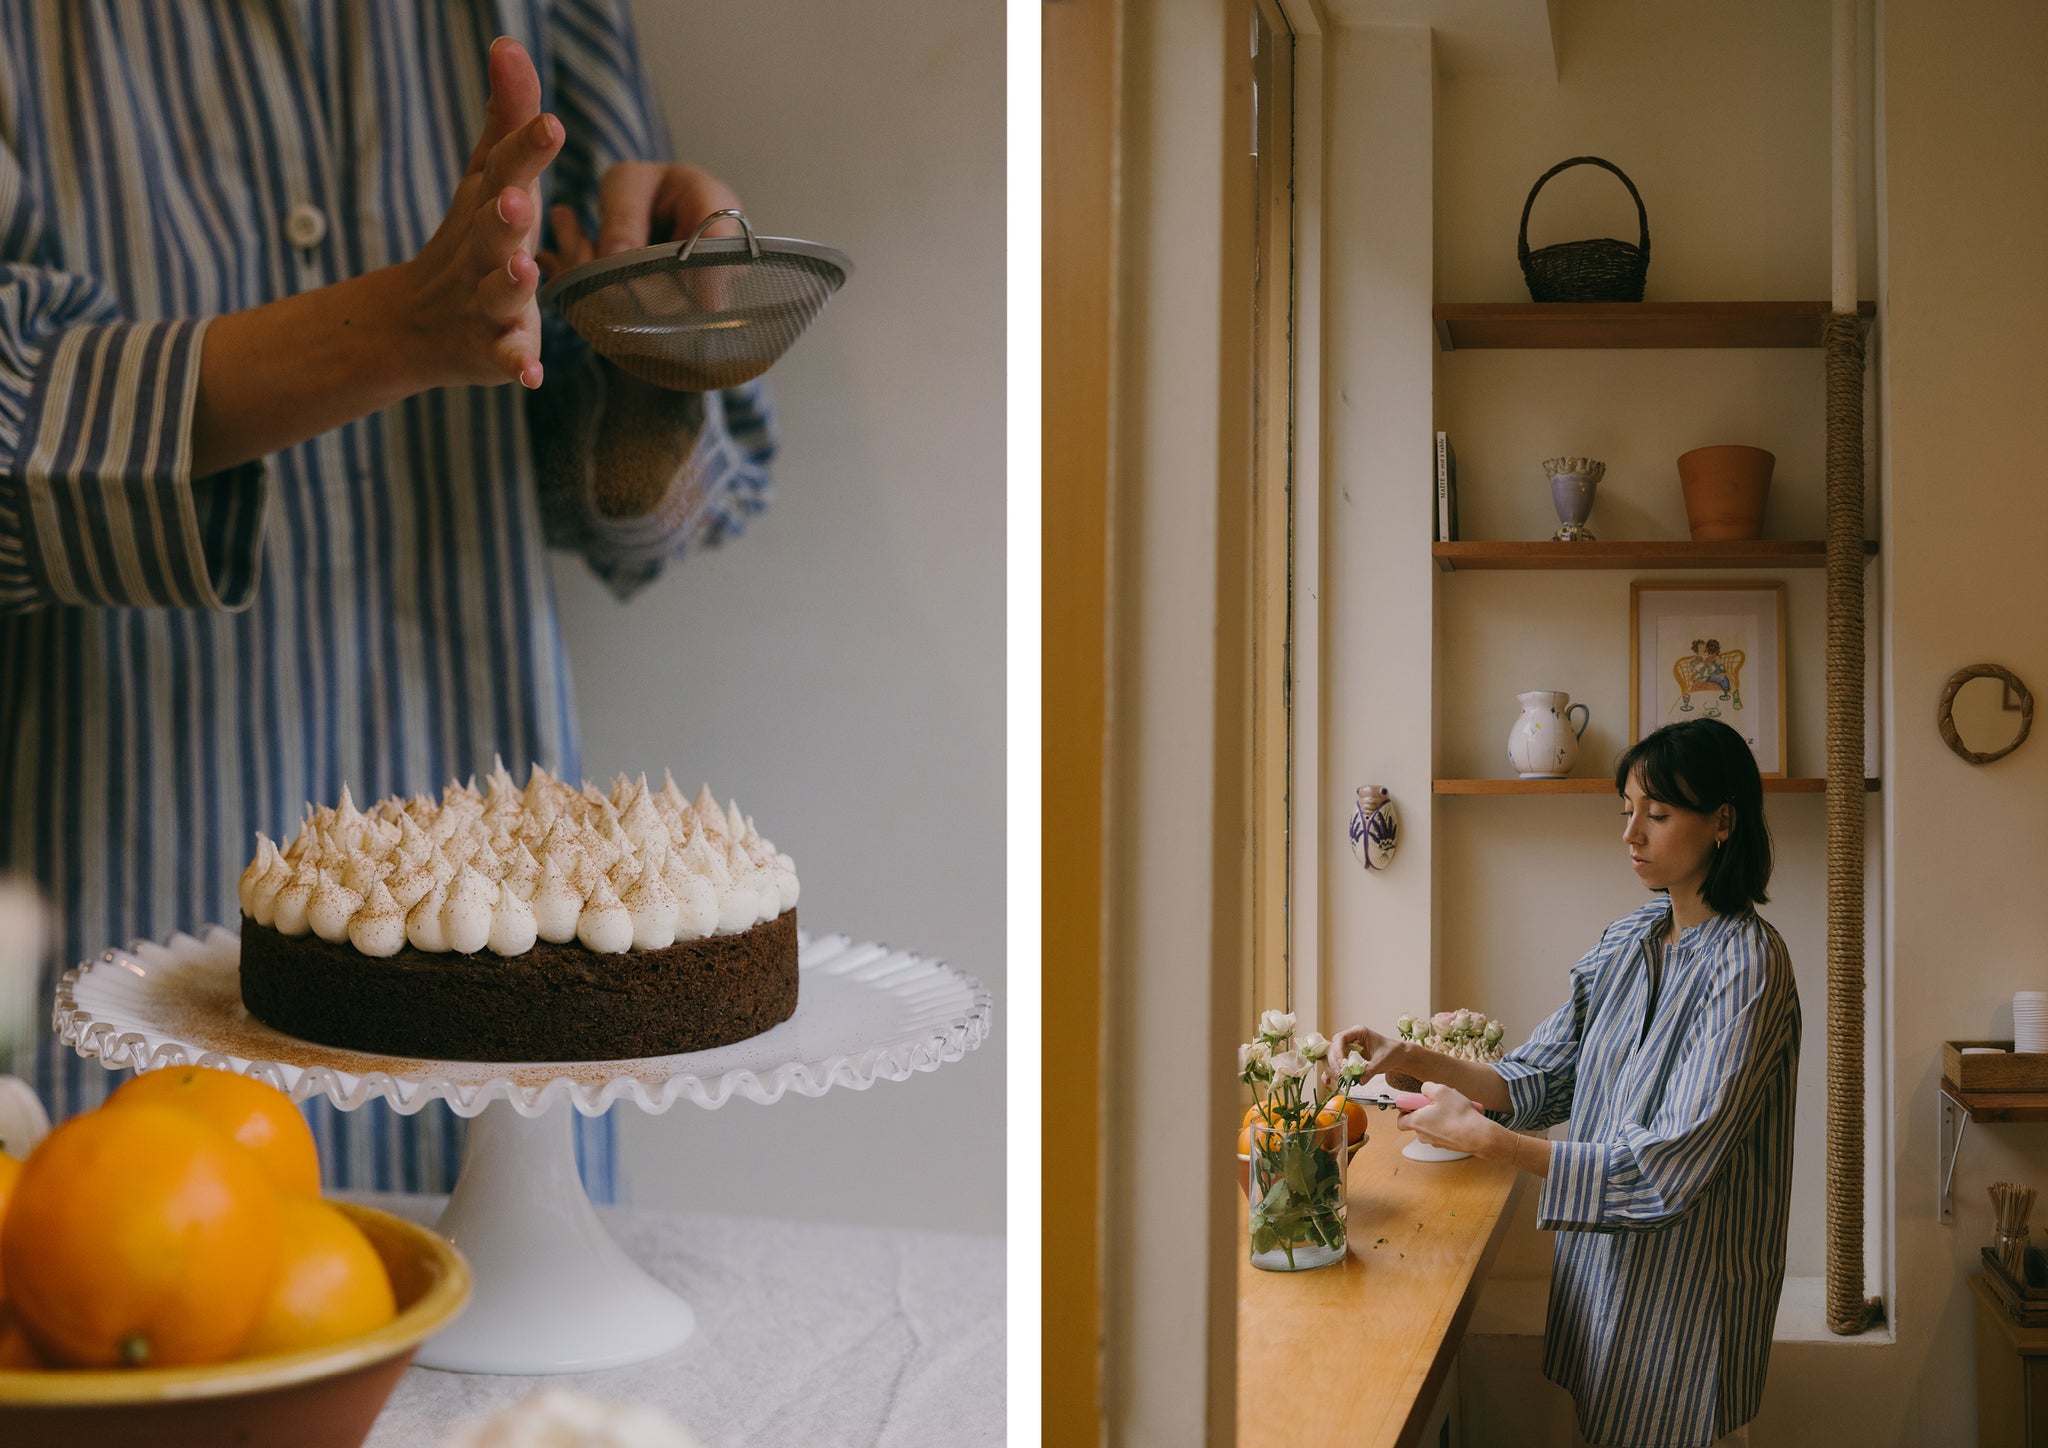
(753, 246)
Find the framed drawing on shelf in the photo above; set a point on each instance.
(1710, 651)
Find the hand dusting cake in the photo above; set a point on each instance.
(548, 923)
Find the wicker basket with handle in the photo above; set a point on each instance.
(1598, 270)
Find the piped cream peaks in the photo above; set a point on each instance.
(502, 865)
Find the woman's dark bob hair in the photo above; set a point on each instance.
(1700, 765)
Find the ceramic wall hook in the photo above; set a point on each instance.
(1375, 828)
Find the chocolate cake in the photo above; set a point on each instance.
(553, 1003)
(548, 923)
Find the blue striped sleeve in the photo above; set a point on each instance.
(714, 448)
(1542, 1072)
(607, 109)
(701, 459)
(97, 503)
(1656, 1172)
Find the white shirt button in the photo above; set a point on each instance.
(306, 225)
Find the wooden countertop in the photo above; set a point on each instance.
(1356, 1352)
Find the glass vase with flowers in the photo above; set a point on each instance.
(1296, 1141)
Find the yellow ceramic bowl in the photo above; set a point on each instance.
(324, 1398)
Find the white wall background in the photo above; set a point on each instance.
(839, 670)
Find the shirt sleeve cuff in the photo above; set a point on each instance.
(1575, 1188)
(1526, 1094)
(110, 514)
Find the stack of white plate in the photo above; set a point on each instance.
(2030, 1021)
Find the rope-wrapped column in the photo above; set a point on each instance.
(1849, 1311)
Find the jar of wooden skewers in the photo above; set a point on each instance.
(2011, 1205)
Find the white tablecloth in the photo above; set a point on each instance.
(810, 1335)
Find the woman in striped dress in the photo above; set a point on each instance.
(273, 518)
(1675, 1062)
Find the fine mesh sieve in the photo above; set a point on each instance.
(699, 315)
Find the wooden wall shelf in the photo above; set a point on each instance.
(1756, 553)
(1956, 1109)
(1606, 786)
(1632, 324)
(2002, 1106)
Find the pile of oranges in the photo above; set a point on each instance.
(1337, 1108)
(180, 1223)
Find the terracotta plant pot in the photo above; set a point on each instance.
(1725, 488)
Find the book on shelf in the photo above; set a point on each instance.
(1446, 489)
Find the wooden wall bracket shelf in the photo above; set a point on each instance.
(1643, 554)
(1606, 786)
(1632, 324)
(1957, 1109)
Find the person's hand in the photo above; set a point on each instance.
(468, 297)
(1451, 1121)
(1381, 1052)
(641, 203)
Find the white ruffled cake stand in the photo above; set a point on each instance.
(553, 1293)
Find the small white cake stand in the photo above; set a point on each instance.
(1417, 1149)
(553, 1293)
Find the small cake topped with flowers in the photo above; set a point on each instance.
(554, 922)
(1468, 1035)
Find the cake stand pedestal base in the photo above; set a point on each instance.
(1423, 1151)
(554, 1294)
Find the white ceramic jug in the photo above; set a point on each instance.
(1543, 744)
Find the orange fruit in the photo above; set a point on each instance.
(1354, 1116)
(10, 1168)
(331, 1284)
(1331, 1112)
(139, 1236)
(260, 1117)
(17, 1353)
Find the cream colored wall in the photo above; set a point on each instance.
(1377, 667)
(1719, 115)
(1169, 1237)
(840, 669)
(1966, 134)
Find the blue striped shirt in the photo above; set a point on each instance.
(1677, 1066)
(186, 661)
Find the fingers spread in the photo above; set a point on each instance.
(500, 227)
(505, 294)
(519, 158)
(625, 202)
(515, 96)
(518, 353)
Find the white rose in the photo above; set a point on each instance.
(1444, 1020)
(1314, 1045)
(1277, 1024)
(1291, 1063)
(1255, 1053)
